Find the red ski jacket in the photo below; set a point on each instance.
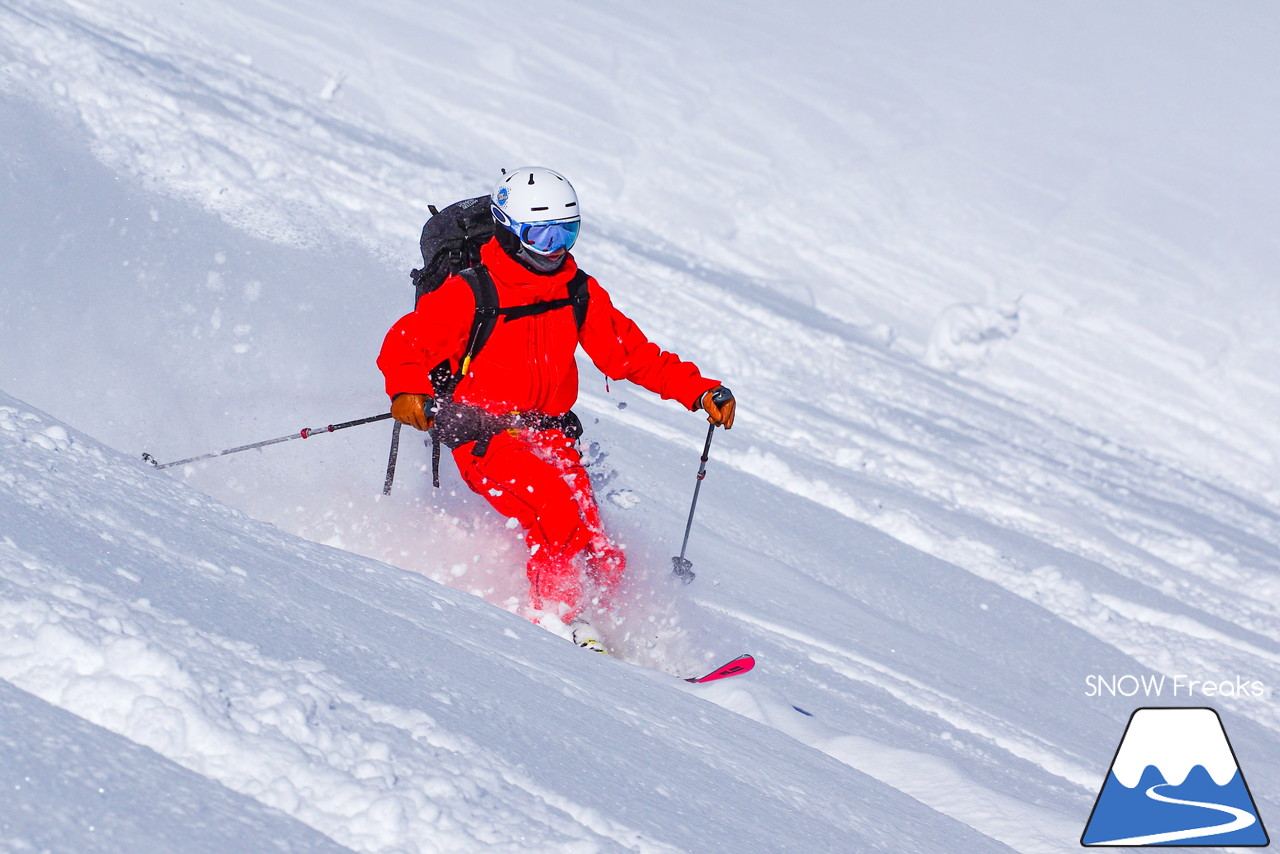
(528, 363)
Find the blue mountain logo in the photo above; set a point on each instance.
(1175, 781)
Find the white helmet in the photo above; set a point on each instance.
(539, 207)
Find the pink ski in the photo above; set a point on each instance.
(741, 664)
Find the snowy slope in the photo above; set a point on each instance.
(383, 710)
(1001, 321)
(73, 786)
(1101, 175)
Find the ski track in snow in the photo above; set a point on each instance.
(206, 125)
(932, 780)
(888, 485)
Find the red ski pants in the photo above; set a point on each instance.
(537, 478)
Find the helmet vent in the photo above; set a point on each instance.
(530, 179)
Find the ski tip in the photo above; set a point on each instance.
(738, 666)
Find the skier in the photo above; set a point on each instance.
(508, 418)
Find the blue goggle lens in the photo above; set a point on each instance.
(547, 237)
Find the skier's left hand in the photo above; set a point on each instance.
(415, 410)
(719, 405)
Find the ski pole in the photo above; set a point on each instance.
(391, 459)
(394, 453)
(682, 567)
(302, 434)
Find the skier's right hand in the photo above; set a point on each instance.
(415, 410)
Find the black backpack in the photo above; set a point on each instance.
(451, 241)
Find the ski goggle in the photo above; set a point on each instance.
(547, 238)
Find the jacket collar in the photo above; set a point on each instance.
(508, 271)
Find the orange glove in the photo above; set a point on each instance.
(719, 405)
(415, 410)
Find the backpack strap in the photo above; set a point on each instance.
(443, 378)
(577, 298)
(486, 316)
(579, 295)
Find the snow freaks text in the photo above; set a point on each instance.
(1179, 686)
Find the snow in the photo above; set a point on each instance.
(993, 283)
(107, 799)
(368, 703)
